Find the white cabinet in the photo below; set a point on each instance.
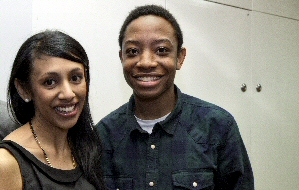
(246, 4)
(217, 39)
(228, 46)
(275, 110)
(284, 8)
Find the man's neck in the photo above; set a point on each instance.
(155, 108)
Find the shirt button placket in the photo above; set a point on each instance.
(151, 184)
(152, 159)
(194, 184)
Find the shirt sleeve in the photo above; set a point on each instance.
(234, 168)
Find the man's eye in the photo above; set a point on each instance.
(132, 52)
(162, 51)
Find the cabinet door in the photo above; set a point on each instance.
(275, 109)
(217, 38)
(285, 8)
(246, 4)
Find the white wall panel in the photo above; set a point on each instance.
(246, 4)
(15, 28)
(275, 131)
(285, 8)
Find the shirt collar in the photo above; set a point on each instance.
(168, 125)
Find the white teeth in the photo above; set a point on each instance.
(148, 79)
(66, 109)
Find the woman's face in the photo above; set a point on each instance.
(59, 91)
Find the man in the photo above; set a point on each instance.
(164, 139)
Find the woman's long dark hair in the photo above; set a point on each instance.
(84, 141)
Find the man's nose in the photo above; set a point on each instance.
(147, 60)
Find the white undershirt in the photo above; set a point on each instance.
(148, 125)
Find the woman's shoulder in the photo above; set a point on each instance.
(20, 135)
(7, 160)
(9, 171)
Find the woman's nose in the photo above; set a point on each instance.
(66, 91)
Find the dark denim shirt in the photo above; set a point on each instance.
(198, 146)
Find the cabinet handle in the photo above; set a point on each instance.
(258, 87)
(243, 87)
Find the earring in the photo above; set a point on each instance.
(26, 100)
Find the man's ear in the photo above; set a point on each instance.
(120, 56)
(22, 91)
(181, 58)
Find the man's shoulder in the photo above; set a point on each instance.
(122, 110)
(112, 128)
(115, 117)
(202, 107)
(197, 102)
(199, 116)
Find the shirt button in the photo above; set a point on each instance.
(194, 184)
(153, 146)
(151, 184)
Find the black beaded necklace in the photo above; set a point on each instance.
(44, 152)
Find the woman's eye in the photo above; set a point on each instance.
(50, 82)
(76, 78)
(132, 52)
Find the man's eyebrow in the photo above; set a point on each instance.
(131, 42)
(158, 41)
(162, 41)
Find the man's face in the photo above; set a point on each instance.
(150, 58)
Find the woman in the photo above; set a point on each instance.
(56, 146)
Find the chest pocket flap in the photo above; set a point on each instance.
(118, 183)
(193, 180)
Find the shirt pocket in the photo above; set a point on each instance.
(118, 183)
(202, 180)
